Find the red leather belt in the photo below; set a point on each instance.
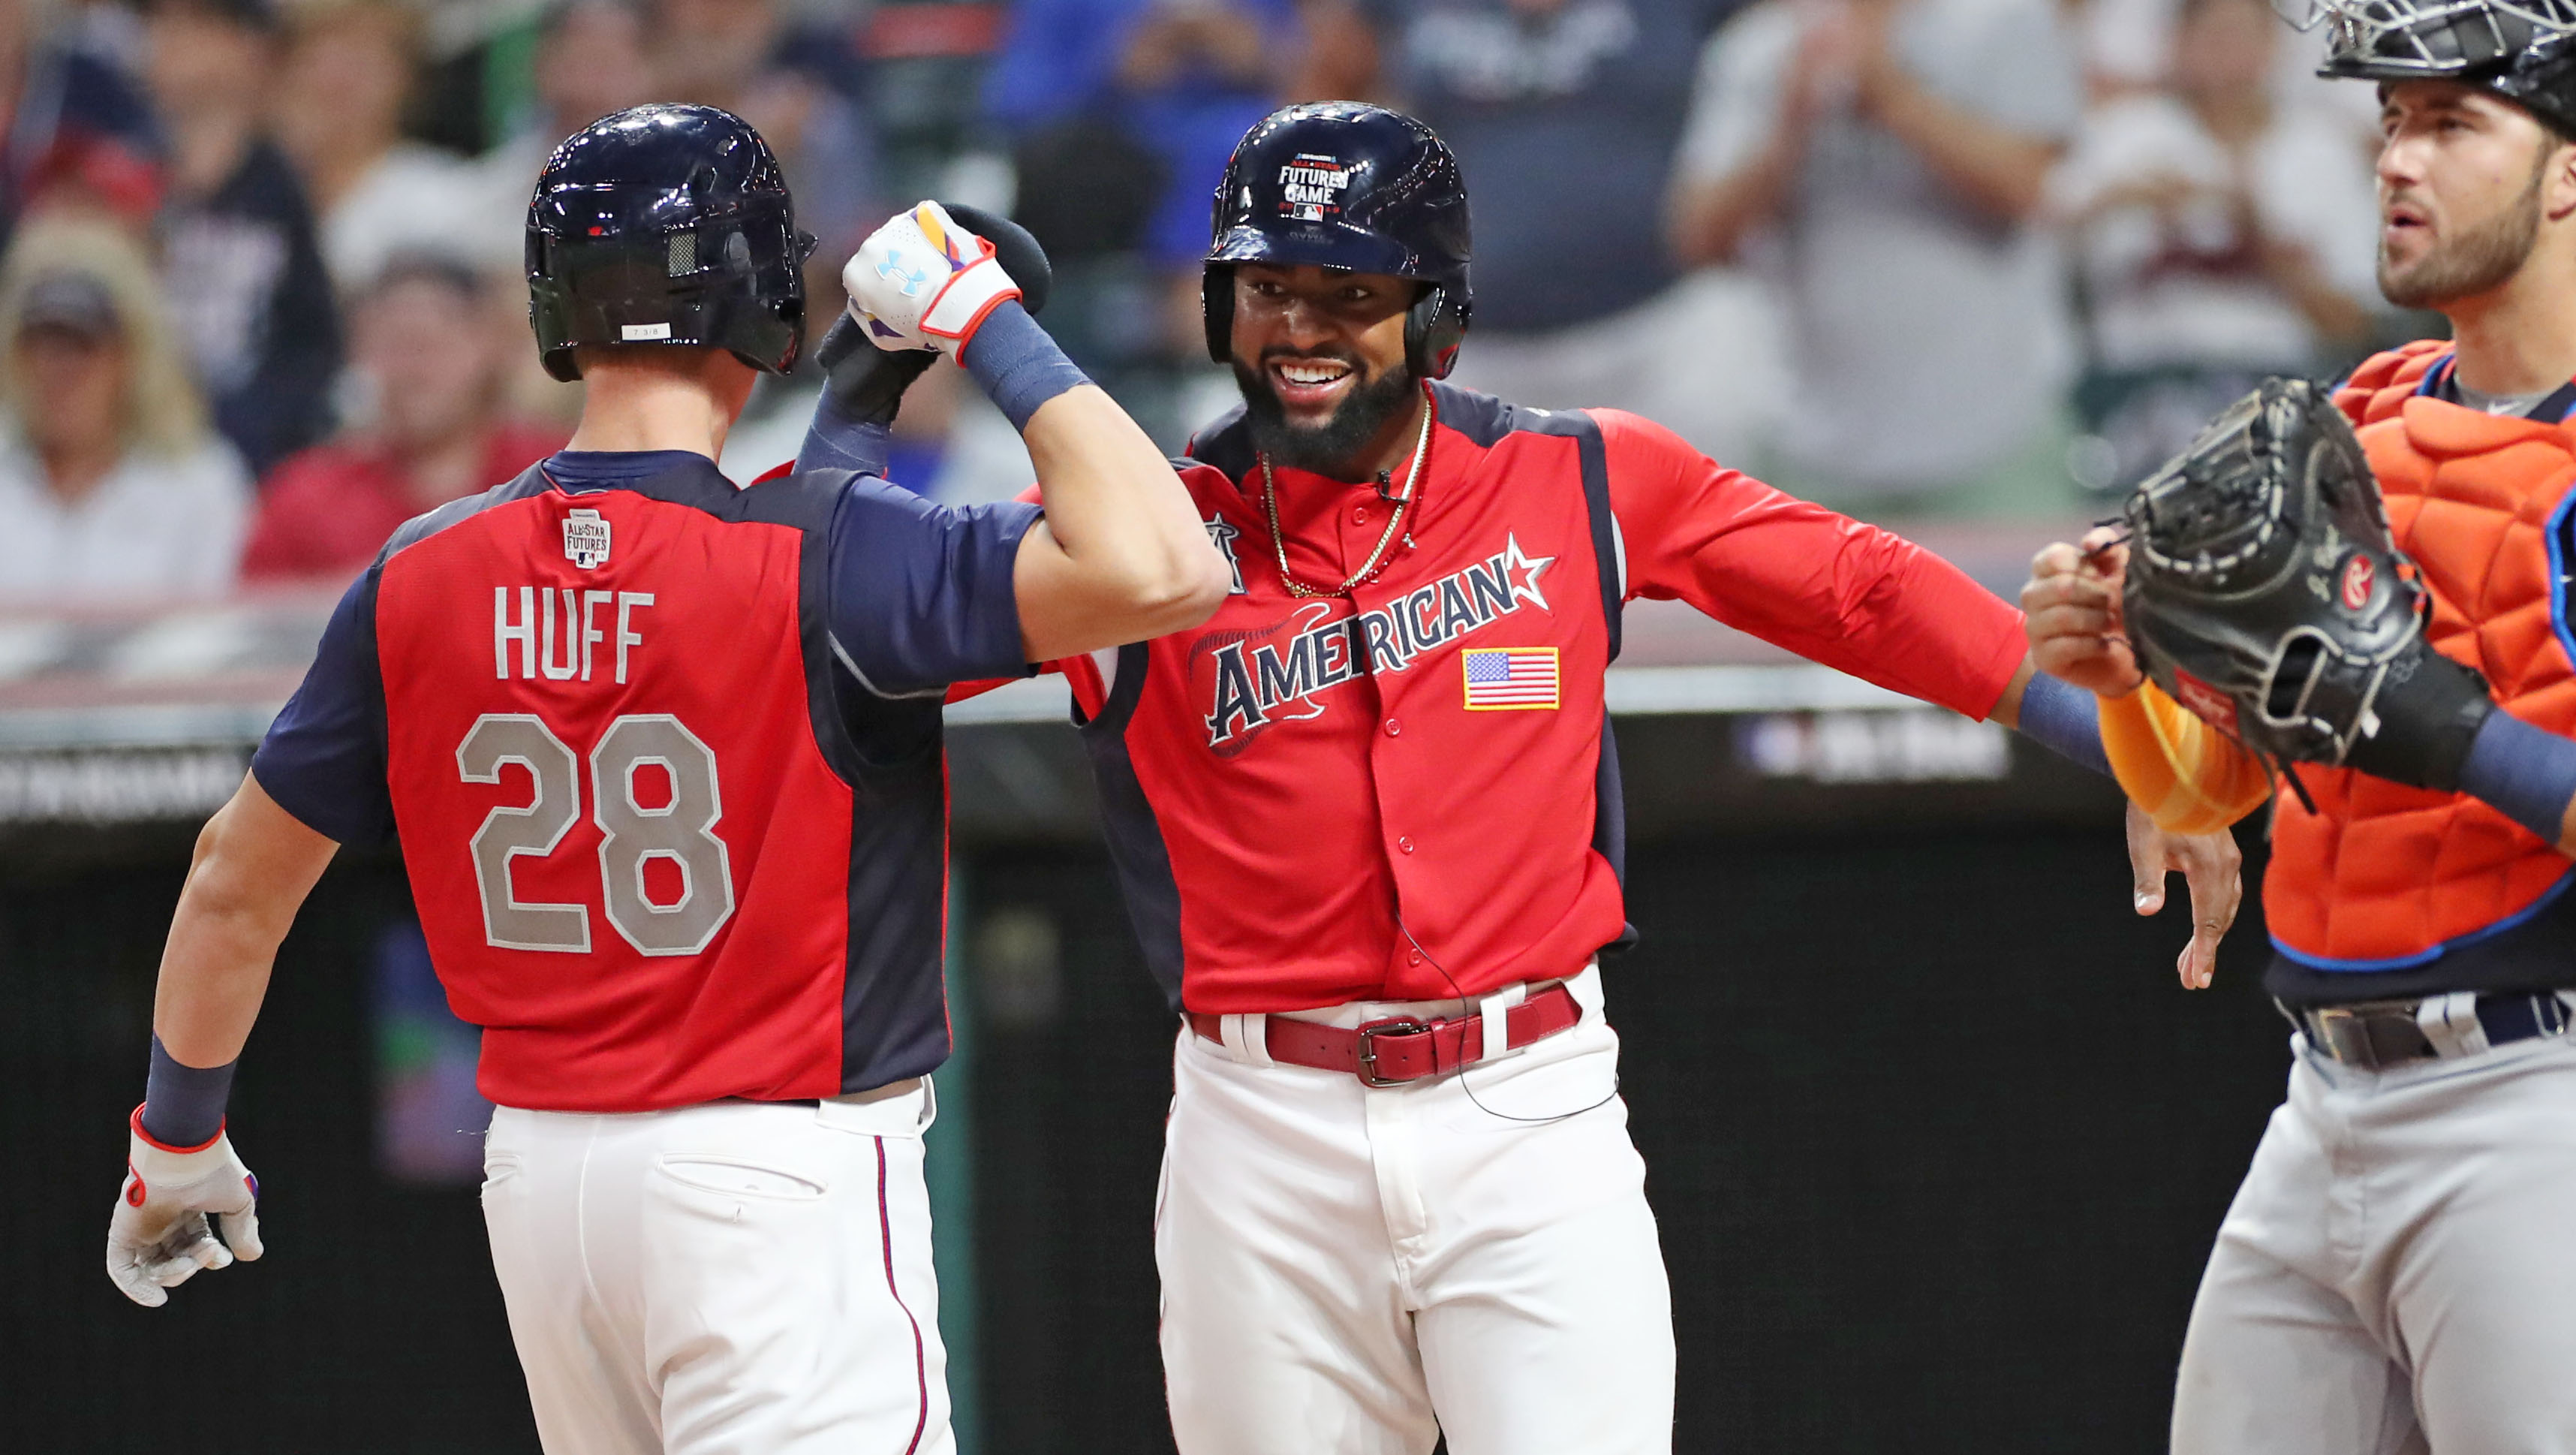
(1395, 1051)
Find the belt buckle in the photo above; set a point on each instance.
(2345, 1038)
(1367, 1054)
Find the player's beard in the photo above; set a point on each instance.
(2481, 259)
(1327, 448)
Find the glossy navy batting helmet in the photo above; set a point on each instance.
(1344, 185)
(2522, 50)
(666, 225)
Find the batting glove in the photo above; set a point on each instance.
(159, 1236)
(924, 282)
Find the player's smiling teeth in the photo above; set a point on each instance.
(1313, 373)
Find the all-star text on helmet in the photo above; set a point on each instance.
(1339, 184)
(2521, 50)
(666, 224)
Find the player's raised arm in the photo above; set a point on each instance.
(1122, 554)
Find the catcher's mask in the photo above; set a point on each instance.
(2273, 503)
(2521, 50)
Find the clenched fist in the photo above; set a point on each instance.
(159, 1236)
(923, 281)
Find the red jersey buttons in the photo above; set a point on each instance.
(1359, 515)
(1394, 729)
(1413, 957)
(1404, 845)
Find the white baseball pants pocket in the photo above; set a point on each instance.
(2398, 1273)
(1360, 1270)
(737, 1278)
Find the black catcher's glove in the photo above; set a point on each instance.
(867, 382)
(2265, 594)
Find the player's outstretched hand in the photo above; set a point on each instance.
(2210, 865)
(2071, 611)
(924, 281)
(159, 1235)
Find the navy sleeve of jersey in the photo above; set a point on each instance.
(922, 594)
(324, 757)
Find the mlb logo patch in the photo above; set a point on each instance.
(585, 539)
(1502, 679)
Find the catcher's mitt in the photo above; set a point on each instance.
(2265, 594)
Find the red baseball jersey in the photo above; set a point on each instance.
(664, 762)
(1411, 792)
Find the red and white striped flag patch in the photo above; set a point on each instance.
(1503, 678)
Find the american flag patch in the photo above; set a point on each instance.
(1500, 678)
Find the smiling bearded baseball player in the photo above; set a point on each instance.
(1368, 823)
(663, 757)
(2398, 1271)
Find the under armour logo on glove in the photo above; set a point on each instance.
(908, 279)
(897, 288)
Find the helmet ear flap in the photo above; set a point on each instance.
(1433, 328)
(1216, 308)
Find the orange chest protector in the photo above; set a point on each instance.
(2381, 875)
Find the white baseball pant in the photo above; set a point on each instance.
(735, 1278)
(1361, 1269)
(2398, 1272)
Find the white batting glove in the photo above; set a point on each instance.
(924, 282)
(159, 1237)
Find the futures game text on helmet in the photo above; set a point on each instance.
(1340, 184)
(666, 225)
(2521, 50)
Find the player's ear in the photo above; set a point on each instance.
(2558, 175)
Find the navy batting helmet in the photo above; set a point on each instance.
(2522, 50)
(666, 225)
(1344, 185)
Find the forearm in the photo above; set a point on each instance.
(2001, 170)
(838, 439)
(1707, 221)
(1340, 57)
(2056, 716)
(239, 900)
(253, 867)
(2328, 309)
(1122, 554)
(2527, 775)
(2188, 776)
(1113, 504)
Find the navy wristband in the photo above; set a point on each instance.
(2065, 720)
(183, 1106)
(1018, 366)
(2522, 772)
(837, 440)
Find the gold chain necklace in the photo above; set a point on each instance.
(1377, 560)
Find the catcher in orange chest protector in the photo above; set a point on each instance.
(2395, 1273)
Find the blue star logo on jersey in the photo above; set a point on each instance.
(908, 279)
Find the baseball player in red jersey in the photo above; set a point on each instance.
(1368, 823)
(663, 759)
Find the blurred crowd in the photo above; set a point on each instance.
(1961, 258)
